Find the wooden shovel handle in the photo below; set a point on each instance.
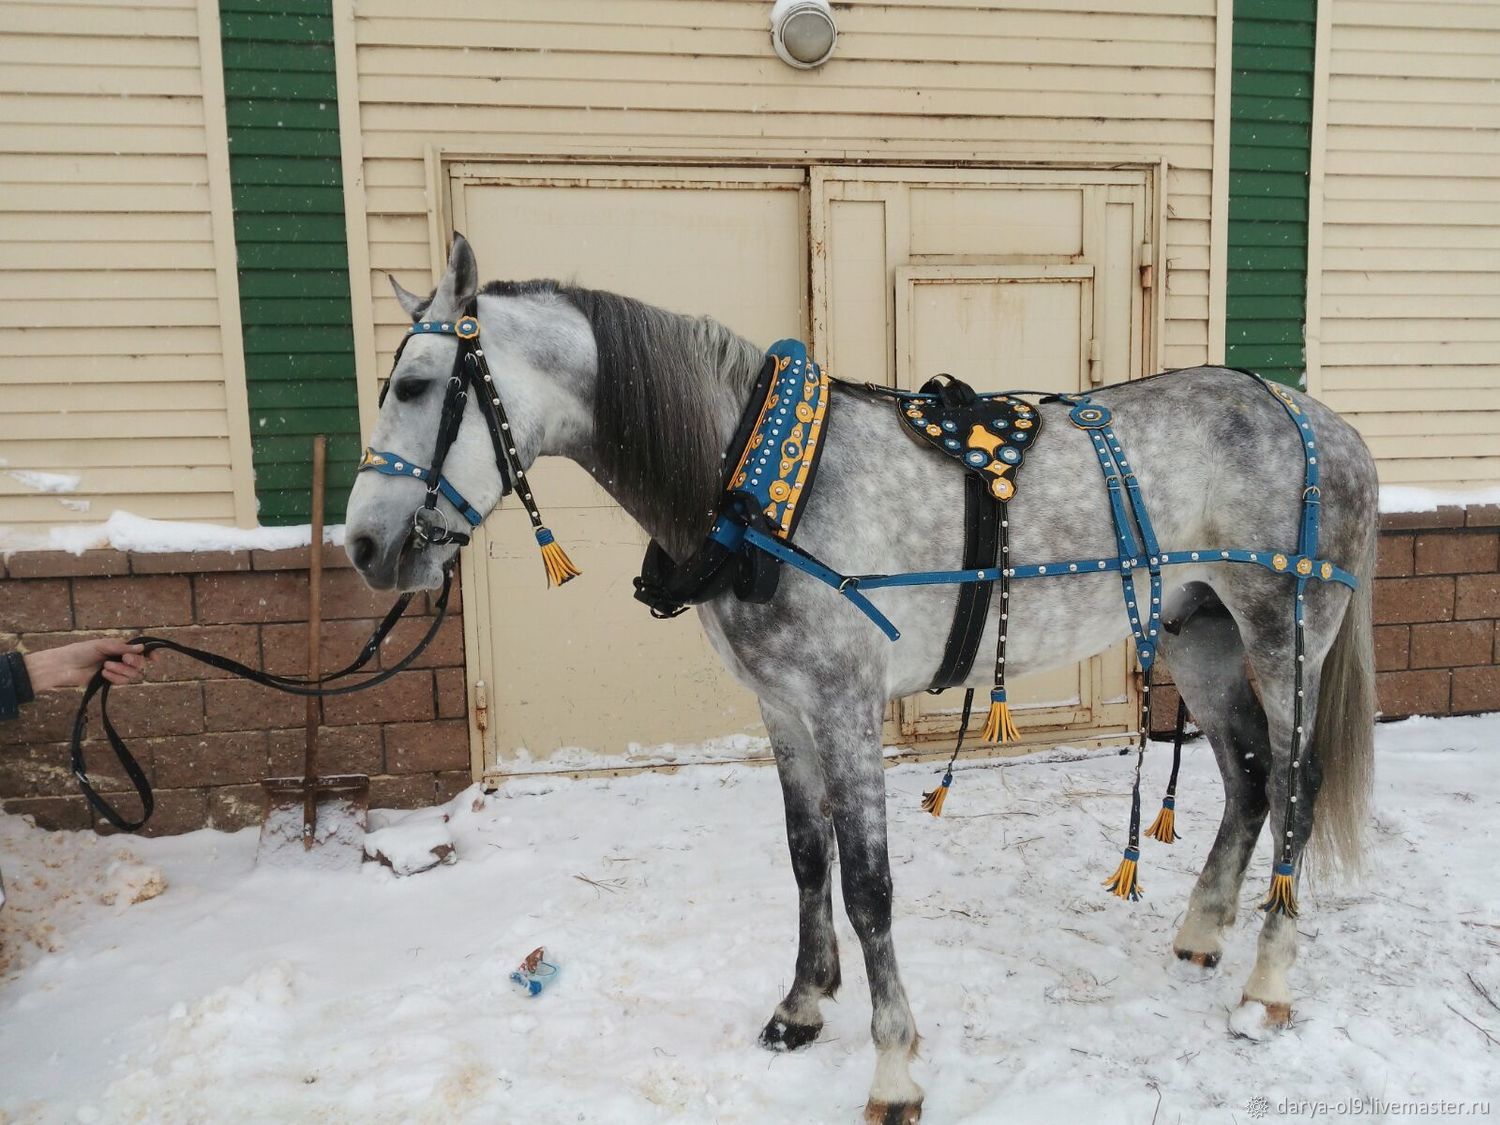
(314, 632)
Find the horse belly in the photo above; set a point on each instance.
(1055, 622)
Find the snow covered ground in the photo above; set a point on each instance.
(230, 994)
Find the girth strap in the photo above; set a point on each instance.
(972, 606)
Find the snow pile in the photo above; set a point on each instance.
(244, 994)
(127, 882)
(126, 532)
(56, 882)
(338, 836)
(411, 848)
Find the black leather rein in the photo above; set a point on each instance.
(290, 685)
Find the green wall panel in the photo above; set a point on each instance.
(281, 96)
(1270, 141)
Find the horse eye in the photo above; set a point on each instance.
(409, 389)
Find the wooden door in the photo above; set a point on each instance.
(582, 676)
(1009, 280)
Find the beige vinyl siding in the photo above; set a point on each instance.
(1409, 332)
(660, 80)
(112, 333)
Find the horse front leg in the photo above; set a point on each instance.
(809, 834)
(849, 746)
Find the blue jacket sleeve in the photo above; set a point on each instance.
(15, 685)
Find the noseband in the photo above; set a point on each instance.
(470, 374)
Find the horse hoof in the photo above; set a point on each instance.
(1202, 960)
(1278, 1016)
(781, 1035)
(1258, 1019)
(893, 1113)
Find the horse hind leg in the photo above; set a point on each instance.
(809, 831)
(1333, 638)
(1266, 1003)
(1207, 658)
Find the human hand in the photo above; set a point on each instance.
(75, 664)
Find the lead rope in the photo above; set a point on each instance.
(290, 685)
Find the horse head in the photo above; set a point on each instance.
(474, 397)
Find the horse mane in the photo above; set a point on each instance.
(659, 404)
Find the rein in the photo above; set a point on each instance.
(429, 528)
(290, 685)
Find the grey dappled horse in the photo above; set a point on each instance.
(645, 400)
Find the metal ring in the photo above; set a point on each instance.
(422, 526)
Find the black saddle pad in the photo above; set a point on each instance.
(988, 434)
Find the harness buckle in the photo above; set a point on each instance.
(851, 582)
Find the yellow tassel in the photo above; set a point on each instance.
(1282, 898)
(998, 725)
(560, 568)
(1125, 882)
(932, 800)
(1164, 827)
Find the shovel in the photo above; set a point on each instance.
(313, 821)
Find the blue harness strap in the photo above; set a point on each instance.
(774, 468)
(391, 465)
(1123, 488)
(732, 534)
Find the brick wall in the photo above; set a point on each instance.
(1437, 600)
(206, 738)
(1436, 603)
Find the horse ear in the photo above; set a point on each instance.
(460, 280)
(415, 306)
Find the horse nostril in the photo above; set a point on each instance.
(363, 551)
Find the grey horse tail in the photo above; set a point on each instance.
(1344, 730)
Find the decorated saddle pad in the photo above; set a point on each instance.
(988, 434)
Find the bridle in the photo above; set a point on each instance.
(429, 528)
(470, 375)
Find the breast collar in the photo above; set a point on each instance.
(769, 466)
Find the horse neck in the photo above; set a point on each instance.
(668, 391)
